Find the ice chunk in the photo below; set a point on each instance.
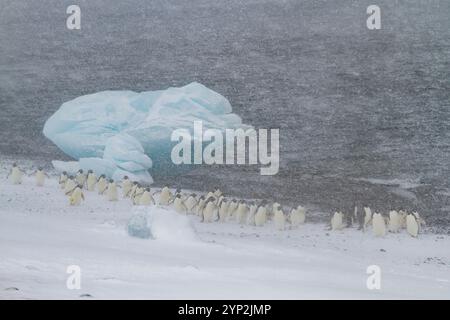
(71, 167)
(138, 226)
(161, 224)
(129, 128)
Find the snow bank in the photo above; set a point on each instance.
(117, 132)
(161, 224)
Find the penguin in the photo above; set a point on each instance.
(138, 192)
(209, 213)
(111, 192)
(190, 203)
(251, 214)
(102, 184)
(15, 176)
(241, 212)
(337, 222)
(70, 186)
(261, 215)
(146, 199)
(279, 218)
(217, 192)
(297, 216)
(233, 205)
(91, 180)
(62, 179)
(80, 178)
(367, 218)
(179, 205)
(402, 218)
(179, 192)
(165, 196)
(133, 190)
(40, 176)
(394, 221)
(412, 225)
(126, 186)
(223, 211)
(201, 205)
(76, 197)
(378, 225)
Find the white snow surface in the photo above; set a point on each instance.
(41, 235)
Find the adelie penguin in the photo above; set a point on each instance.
(40, 176)
(261, 215)
(146, 199)
(209, 213)
(165, 196)
(102, 184)
(179, 205)
(63, 179)
(378, 225)
(15, 175)
(190, 203)
(251, 214)
(76, 197)
(80, 178)
(70, 186)
(91, 180)
(241, 212)
(413, 223)
(297, 216)
(394, 222)
(139, 191)
(223, 211)
(337, 221)
(126, 186)
(111, 192)
(279, 218)
(232, 208)
(201, 204)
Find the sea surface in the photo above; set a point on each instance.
(364, 115)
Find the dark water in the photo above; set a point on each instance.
(350, 103)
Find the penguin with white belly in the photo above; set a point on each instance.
(40, 176)
(15, 175)
(261, 215)
(139, 191)
(80, 178)
(190, 203)
(178, 205)
(412, 226)
(70, 186)
(63, 179)
(378, 225)
(102, 184)
(232, 207)
(209, 213)
(337, 221)
(76, 197)
(279, 218)
(146, 199)
(297, 216)
(91, 180)
(223, 210)
(367, 218)
(165, 196)
(201, 205)
(394, 221)
(111, 191)
(241, 212)
(251, 214)
(126, 186)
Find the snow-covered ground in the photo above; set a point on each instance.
(41, 235)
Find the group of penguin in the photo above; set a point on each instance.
(215, 207)
(396, 221)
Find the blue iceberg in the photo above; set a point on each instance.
(128, 133)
